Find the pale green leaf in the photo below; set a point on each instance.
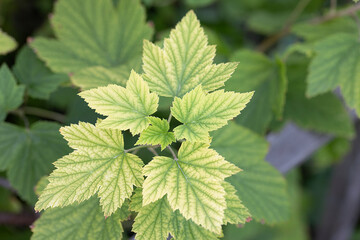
(267, 78)
(192, 183)
(99, 165)
(93, 77)
(33, 73)
(157, 133)
(262, 189)
(126, 108)
(94, 33)
(79, 221)
(152, 222)
(11, 95)
(28, 154)
(337, 63)
(184, 62)
(7, 43)
(324, 113)
(235, 211)
(201, 113)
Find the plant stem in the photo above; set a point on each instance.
(345, 12)
(20, 113)
(169, 119)
(153, 151)
(172, 153)
(20, 219)
(44, 113)
(139, 147)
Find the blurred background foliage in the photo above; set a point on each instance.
(237, 28)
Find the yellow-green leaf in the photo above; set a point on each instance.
(7, 43)
(157, 133)
(153, 220)
(201, 113)
(235, 211)
(185, 61)
(193, 183)
(126, 108)
(99, 165)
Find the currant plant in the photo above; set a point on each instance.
(184, 193)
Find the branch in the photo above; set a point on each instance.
(5, 184)
(270, 41)
(331, 15)
(267, 43)
(342, 203)
(18, 219)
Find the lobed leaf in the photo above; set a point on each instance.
(324, 113)
(126, 108)
(337, 63)
(153, 220)
(184, 62)
(156, 220)
(99, 165)
(11, 95)
(235, 212)
(157, 133)
(268, 79)
(28, 154)
(91, 33)
(201, 113)
(261, 188)
(33, 73)
(79, 221)
(192, 183)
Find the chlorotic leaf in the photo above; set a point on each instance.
(180, 228)
(11, 95)
(79, 221)
(99, 165)
(28, 154)
(201, 113)
(156, 220)
(192, 183)
(261, 188)
(102, 35)
(267, 78)
(33, 73)
(7, 43)
(235, 212)
(157, 133)
(153, 220)
(184, 62)
(337, 63)
(136, 200)
(126, 108)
